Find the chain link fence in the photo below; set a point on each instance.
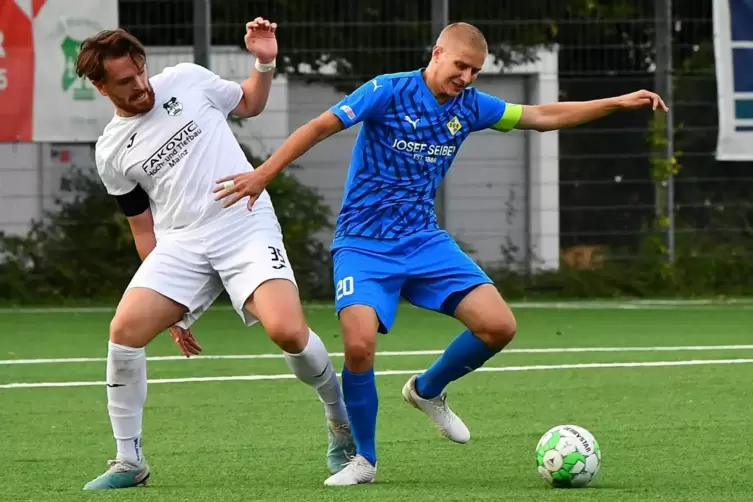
(620, 180)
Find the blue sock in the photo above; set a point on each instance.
(464, 354)
(362, 402)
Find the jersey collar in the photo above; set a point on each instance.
(427, 96)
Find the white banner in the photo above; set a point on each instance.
(733, 50)
(39, 44)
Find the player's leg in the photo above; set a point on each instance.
(449, 281)
(276, 304)
(261, 284)
(490, 327)
(159, 295)
(367, 293)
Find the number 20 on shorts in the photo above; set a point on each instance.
(344, 287)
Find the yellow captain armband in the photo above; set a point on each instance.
(509, 119)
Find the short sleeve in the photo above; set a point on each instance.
(368, 101)
(115, 182)
(494, 113)
(223, 94)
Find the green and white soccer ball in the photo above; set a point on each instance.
(568, 456)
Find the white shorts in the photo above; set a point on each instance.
(193, 269)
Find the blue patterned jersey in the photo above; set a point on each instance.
(404, 149)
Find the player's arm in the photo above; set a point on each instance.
(550, 117)
(133, 201)
(496, 114)
(255, 91)
(135, 205)
(301, 141)
(260, 41)
(249, 98)
(367, 102)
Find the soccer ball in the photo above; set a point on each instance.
(568, 456)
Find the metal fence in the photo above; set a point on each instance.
(607, 195)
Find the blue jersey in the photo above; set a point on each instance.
(403, 151)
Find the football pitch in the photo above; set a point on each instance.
(665, 387)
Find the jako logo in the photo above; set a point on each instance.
(174, 149)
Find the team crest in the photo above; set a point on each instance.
(172, 106)
(454, 125)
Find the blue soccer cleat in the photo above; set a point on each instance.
(120, 474)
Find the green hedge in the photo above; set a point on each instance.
(704, 266)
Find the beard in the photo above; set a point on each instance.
(138, 104)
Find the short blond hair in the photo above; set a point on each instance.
(464, 33)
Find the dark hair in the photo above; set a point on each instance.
(105, 45)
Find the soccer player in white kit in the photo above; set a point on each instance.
(160, 155)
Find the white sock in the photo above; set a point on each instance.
(312, 366)
(126, 395)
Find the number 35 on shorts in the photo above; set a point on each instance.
(344, 287)
(278, 257)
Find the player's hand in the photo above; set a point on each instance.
(185, 341)
(234, 188)
(260, 39)
(641, 99)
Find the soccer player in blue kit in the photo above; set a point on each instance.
(387, 242)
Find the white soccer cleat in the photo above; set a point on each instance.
(358, 471)
(448, 423)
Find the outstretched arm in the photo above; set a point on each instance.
(301, 141)
(234, 188)
(562, 115)
(366, 102)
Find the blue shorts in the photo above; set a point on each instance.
(427, 268)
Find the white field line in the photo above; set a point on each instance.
(407, 353)
(287, 376)
(668, 304)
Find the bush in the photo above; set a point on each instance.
(85, 251)
(703, 267)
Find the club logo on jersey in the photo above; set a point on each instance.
(172, 106)
(412, 122)
(454, 125)
(173, 150)
(348, 111)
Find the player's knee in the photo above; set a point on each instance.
(125, 330)
(498, 330)
(359, 326)
(290, 337)
(359, 354)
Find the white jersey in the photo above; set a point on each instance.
(178, 150)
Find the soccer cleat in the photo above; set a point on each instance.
(448, 423)
(358, 471)
(120, 474)
(340, 447)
